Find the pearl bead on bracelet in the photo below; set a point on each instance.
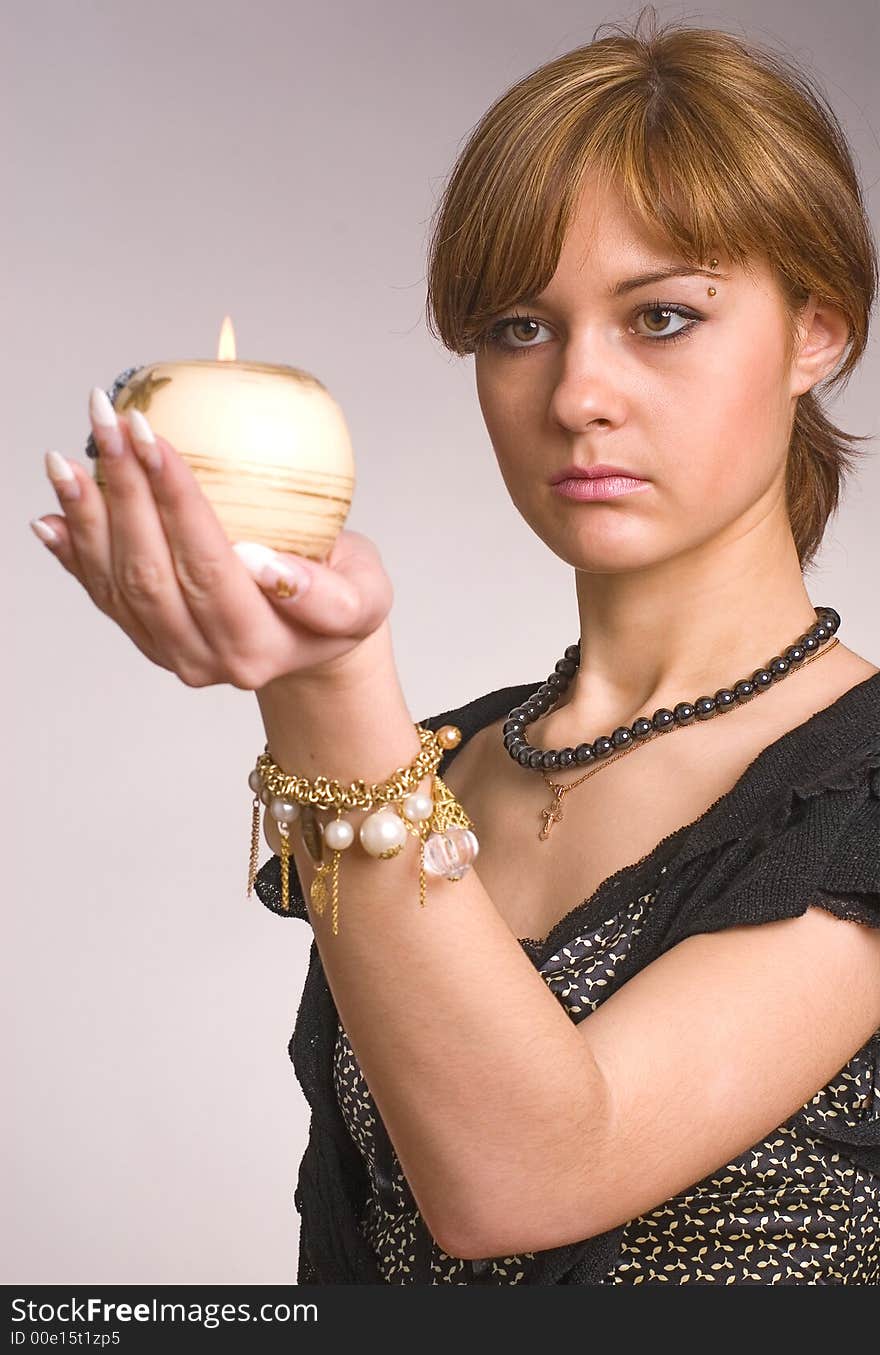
(447, 844)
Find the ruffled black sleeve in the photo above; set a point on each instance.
(815, 841)
(811, 841)
(850, 883)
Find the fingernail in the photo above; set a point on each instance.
(279, 571)
(140, 427)
(60, 472)
(144, 439)
(267, 567)
(47, 534)
(58, 468)
(101, 409)
(252, 554)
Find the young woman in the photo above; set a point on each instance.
(638, 1042)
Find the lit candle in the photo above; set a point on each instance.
(268, 445)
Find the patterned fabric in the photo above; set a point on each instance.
(801, 826)
(788, 1210)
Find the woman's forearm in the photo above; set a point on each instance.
(486, 1089)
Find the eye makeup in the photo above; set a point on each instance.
(492, 338)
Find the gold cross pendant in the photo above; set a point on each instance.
(553, 813)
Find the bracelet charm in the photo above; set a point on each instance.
(448, 846)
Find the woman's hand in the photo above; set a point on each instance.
(152, 554)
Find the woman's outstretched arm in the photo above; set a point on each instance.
(518, 1130)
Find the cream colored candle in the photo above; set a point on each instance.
(268, 445)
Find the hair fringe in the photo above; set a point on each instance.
(714, 139)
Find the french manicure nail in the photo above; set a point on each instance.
(140, 427)
(47, 534)
(58, 468)
(253, 554)
(60, 472)
(144, 439)
(101, 409)
(279, 571)
(267, 567)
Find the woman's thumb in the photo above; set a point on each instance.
(321, 598)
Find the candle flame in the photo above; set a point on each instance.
(226, 346)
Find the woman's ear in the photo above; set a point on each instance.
(823, 332)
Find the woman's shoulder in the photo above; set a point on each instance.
(802, 826)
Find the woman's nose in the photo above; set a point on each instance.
(583, 397)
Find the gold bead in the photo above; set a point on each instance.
(449, 736)
(711, 291)
(713, 263)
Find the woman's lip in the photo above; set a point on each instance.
(600, 487)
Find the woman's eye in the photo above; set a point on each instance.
(657, 317)
(519, 325)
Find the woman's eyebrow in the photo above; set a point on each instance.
(643, 280)
(682, 271)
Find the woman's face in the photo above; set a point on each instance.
(704, 417)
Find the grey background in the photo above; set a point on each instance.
(165, 165)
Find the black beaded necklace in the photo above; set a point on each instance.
(607, 748)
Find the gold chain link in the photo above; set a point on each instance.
(332, 794)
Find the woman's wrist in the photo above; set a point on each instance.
(348, 721)
(370, 659)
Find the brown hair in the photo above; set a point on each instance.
(714, 142)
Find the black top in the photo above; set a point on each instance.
(800, 826)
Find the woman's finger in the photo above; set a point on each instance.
(142, 566)
(348, 595)
(245, 625)
(51, 529)
(238, 622)
(153, 555)
(84, 545)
